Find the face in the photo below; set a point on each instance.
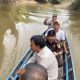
(54, 18)
(51, 38)
(33, 46)
(56, 26)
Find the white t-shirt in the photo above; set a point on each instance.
(60, 35)
(48, 60)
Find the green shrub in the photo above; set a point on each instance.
(54, 1)
(41, 1)
(75, 5)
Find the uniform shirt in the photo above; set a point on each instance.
(48, 60)
(54, 46)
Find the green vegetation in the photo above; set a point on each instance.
(50, 1)
(41, 1)
(76, 5)
(54, 1)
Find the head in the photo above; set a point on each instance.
(54, 17)
(56, 25)
(51, 36)
(34, 71)
(37, 43)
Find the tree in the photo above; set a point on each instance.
(76, 5)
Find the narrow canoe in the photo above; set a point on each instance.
(68, 68)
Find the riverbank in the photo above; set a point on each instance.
(25, 2)
(63, 5)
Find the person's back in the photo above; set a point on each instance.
(34, 71)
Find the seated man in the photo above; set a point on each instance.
(34, 71)
(44, 56)
(55, 46)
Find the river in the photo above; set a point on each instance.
(19, 23)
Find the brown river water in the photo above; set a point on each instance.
(19, 23)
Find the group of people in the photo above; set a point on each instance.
(44, 64)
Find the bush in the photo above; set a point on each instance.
(41, 1)
(54, 1)
(75, 5)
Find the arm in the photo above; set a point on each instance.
(45, 21)
(32, 59)
(55, 53)
(64, 45)
(61, 52)
(58, 53)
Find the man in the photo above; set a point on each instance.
(53, 44)
(44, 56)
(60, 35)
(49, 22)
(34, 71)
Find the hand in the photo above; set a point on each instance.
(55, 53)
(45, 21)
(20, 72)
(66, 51)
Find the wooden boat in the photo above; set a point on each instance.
(68, 68)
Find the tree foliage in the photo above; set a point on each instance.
(76, 5)
(50, 1)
